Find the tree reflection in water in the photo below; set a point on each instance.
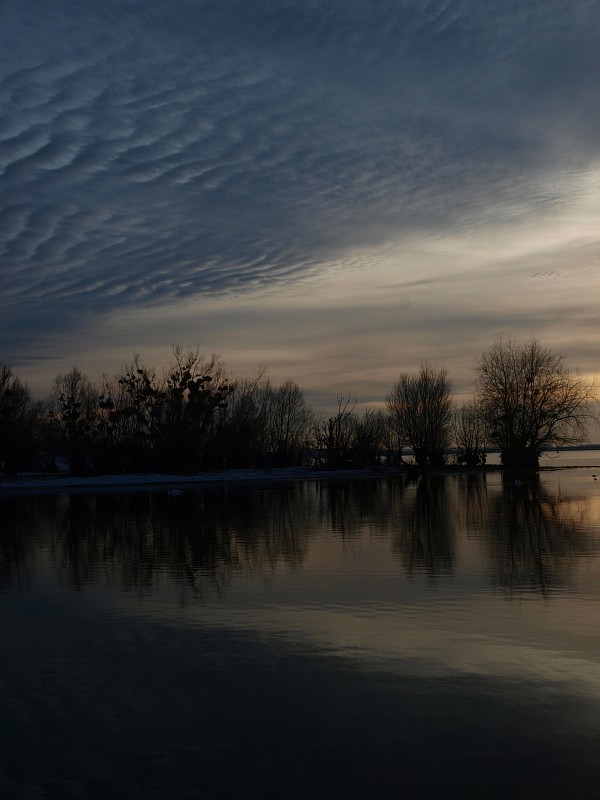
(426, 537)
(141, 540)
(268, 691)
(535, 537)
(17, 553)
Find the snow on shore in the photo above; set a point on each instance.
(35, 481)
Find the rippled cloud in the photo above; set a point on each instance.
(155, 152)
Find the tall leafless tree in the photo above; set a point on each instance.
(243, 432)
(333, 435)
(16, 416)
(470, 434)
(73, 410)
(420, 406)
(289, 420)
(530, 400)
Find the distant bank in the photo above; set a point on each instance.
(585, 456)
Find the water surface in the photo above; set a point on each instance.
(387, 638)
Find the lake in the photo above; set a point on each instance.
(385, 638)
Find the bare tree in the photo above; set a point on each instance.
(368, 437)
(196, 390)
(470, 434)
(289, 421)
(391, 441)
(243, 432)
(117, 440)
(420, 405)
(530, 401)
(332, 434)
(16, 411)
(73, 410)
(143, 409)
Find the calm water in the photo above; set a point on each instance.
(383, 639)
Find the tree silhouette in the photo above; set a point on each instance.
(73, 410)
(470, 433)
(530, 401)
(16, 421)
(289, 418)
(420, 407)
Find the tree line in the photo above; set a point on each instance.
(194, 416)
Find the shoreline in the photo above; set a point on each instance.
(28, 482)
(35, 482)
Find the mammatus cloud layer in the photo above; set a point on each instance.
(303, 169)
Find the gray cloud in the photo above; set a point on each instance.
(155, 151)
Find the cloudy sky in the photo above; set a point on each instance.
(333, 189)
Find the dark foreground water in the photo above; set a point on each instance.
(367, 639)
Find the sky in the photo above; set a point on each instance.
(334, 190)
